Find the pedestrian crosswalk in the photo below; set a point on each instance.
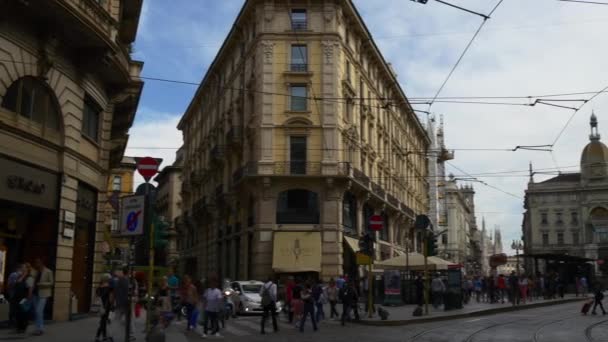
(251, 325)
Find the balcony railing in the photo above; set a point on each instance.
(392, 200)
(95, 13)
(407, 210)
(235, 135)
(298, 67)
(360, 177)
(378, 190)
(299, 24)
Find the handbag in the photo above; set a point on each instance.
(25, 305)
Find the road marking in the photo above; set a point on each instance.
(475, 320)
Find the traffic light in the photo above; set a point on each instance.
(161, 233)
(366, 245)
(431, 245)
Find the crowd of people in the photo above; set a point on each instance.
(29, 287)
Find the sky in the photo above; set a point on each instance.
(527, 48)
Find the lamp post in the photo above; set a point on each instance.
(517, 245)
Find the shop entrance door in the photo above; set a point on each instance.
(81, 281)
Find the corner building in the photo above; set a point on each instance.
(68, 95)
(298, 133)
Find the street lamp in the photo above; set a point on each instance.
(517, 245)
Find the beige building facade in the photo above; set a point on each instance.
(298, 133)
(68, 95)
(566, 217)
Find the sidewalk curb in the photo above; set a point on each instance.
(468, 314)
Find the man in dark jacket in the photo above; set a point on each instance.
(419, 284)
(514, 288)
(349, 298)
(599, 296)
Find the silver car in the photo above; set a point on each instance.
(249, 295)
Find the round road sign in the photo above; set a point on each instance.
(132, 220)
(376, 222)
(147, 167)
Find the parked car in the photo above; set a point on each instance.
(250, 300)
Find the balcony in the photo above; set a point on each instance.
(360, 177)
(392, 200)
(378, 190)
(292, 168)
(234, 137)
(407, 210)
(217, 153)
(299, 24)
(93, 11)
(299, 67)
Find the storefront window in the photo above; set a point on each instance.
(297, 206)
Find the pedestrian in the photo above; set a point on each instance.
(122, 288)
(348, 296)
(340, 282)
(419, 284)
(523, 288)
(173, 284)
(297, 303)
(332, 296)
(560, 286)
(13, 303)
(317, 296)
(163, 297)
(43, 289)
(438, 289)
(106, 296)
(599, 296)
(531, 288)
(289, 298)
(190, 301)
(309, 308)
(484, 289)
(477, 287)
(513, 288)
(268, 293)
(24, 294)
(584, 286)
(212, 303)
(502, 287)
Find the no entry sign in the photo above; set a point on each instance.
(147, 167)
(376, 222)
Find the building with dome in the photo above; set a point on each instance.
(565, 225)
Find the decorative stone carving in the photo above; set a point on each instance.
(328, 50)
(268, 47)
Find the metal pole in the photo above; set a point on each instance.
(407, 269)
(129, 290)
(426, 275)
(370, 284)
(150, 276)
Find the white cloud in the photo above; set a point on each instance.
(154, 137)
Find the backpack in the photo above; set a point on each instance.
(266, 300)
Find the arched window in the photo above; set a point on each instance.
(32, 98)
(349, 214)
(298, 206)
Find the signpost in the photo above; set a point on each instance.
(148, 168)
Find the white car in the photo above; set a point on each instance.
(249, 294)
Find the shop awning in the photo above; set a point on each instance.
(414, 262)
(296, 252)
(352, 243)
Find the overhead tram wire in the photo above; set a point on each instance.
(586, 2)
(485, 19)
(475, 179)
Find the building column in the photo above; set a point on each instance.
(332, 247)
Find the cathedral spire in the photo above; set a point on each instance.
(595, 135)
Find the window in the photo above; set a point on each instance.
(444, 238)
(298, 19)
(297, 206)
(367, 214)
(384, 232)
(117, 183)
(349, 214)
(90, 119)
(299, 58)
(31, 98)
(575, 238)
(349, 110)
(558, 219)
(545, 239)
(114, 225)
(348, 71)
(543, 218)
(297, 155)
(602, 236)
(560, 238)
(299, 96)
(574, 218)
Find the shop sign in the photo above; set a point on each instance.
(28, 185)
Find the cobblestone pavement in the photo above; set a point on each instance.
(547, 324)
